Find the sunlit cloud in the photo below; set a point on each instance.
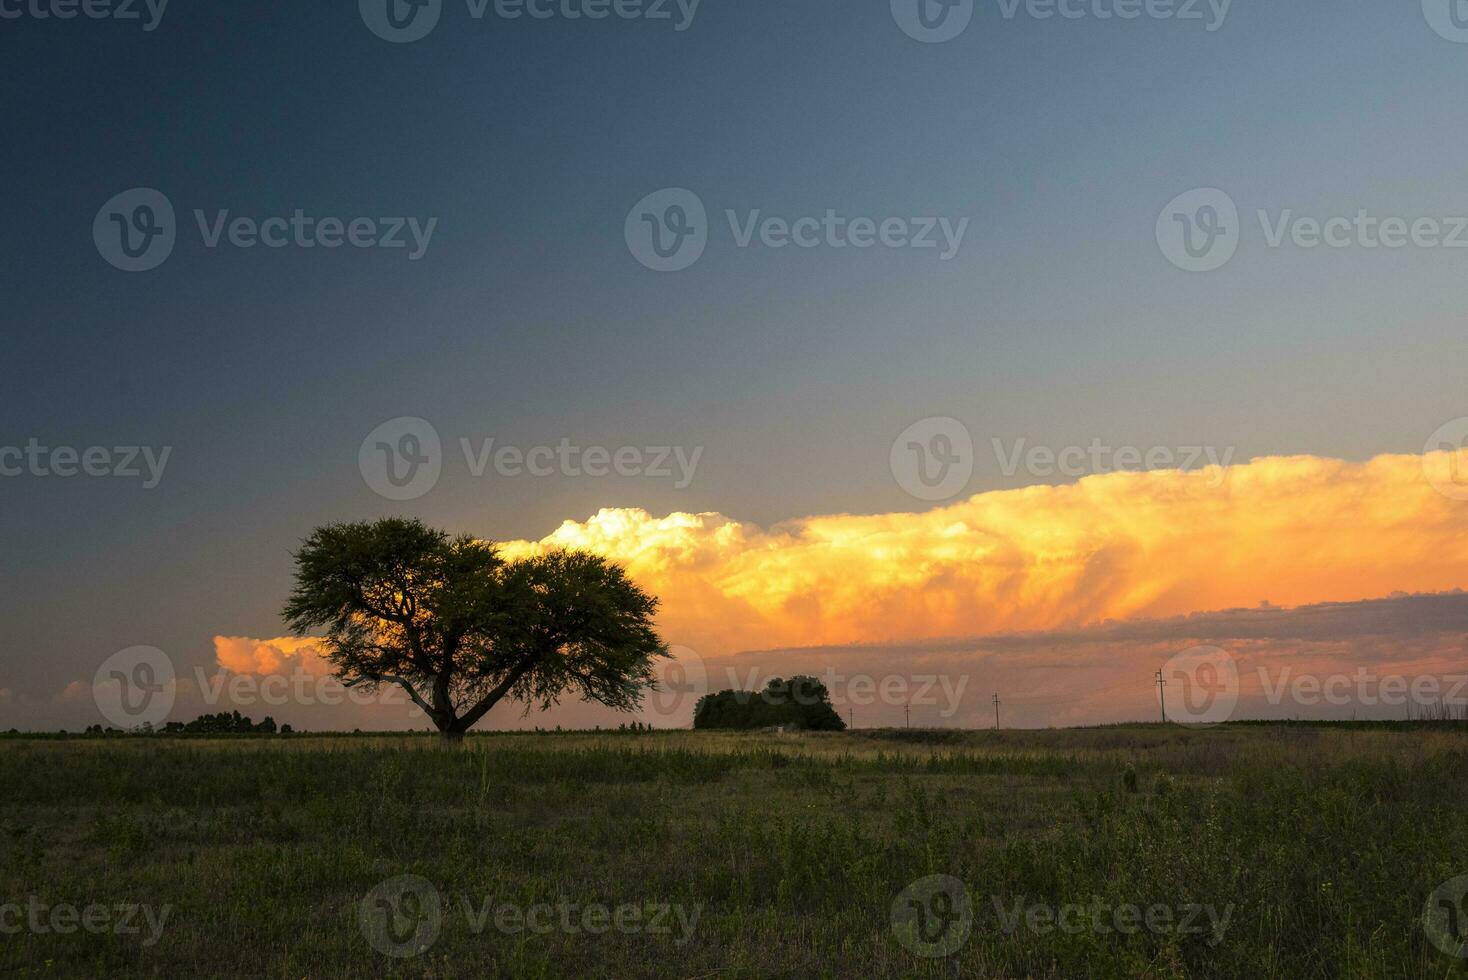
(1287, 530)
(281, 655)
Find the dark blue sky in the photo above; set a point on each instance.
(528, 320)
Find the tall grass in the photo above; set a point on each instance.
(1325, 841)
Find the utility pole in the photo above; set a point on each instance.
(996, 712)
(907, 710)
(1162, 694)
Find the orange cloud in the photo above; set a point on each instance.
(1292, 530)
(283, 655)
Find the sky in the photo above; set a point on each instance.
(1032, 255)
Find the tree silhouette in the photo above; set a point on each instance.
(459, 628)
(801, 702)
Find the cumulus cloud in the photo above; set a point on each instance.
(1290, 530)
(282, 655)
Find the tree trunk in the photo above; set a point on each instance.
(448, 736)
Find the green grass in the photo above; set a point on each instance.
(790, 849)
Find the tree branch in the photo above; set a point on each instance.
(412, 691)
(472, 716)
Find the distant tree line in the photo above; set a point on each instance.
(224, 723)
(801, 702)
(231, 722)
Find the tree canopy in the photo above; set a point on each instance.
(459, 628)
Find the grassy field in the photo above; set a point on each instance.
(1131, 851)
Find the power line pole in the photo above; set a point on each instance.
(907, 710)
(1162, 694)
(996, 712)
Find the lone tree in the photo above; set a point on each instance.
(459, 628)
